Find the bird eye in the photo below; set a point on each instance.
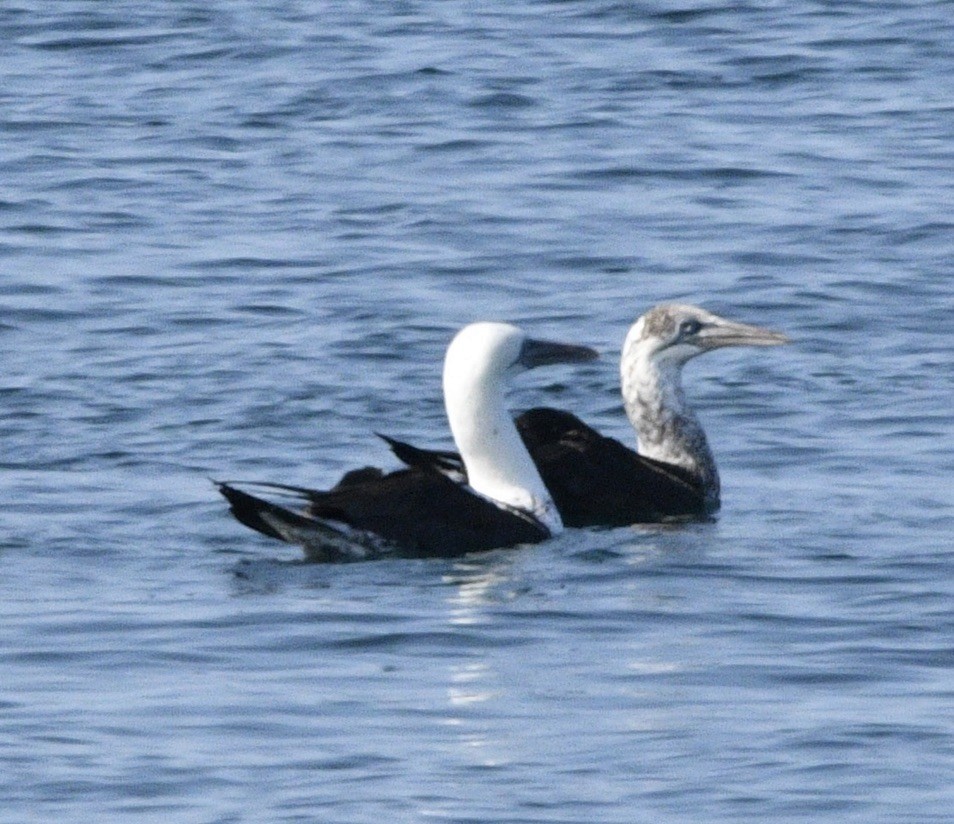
(689, 327)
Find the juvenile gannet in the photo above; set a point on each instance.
(595, 480)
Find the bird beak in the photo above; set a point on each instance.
(535, 353)
(728, 333)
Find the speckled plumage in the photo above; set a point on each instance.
(667, 429)
(595, 480)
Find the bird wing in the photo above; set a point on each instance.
(595, 480)
(410, 512)
(437, 460)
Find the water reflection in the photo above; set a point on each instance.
(476, 583)
(466, 686)
(475, 689)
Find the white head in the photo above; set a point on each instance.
(480, 361)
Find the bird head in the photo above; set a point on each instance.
(674, 333)
(489, 350)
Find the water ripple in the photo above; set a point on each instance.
(235, 242)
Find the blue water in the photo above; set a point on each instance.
(235, 238)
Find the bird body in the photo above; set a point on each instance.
(595, 480)
(416, 511)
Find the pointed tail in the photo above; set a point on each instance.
(321, 540)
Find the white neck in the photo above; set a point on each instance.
(498, 464)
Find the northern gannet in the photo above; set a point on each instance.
(417, 512)
(595, 480)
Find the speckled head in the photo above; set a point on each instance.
(656, 348)
(676, 332)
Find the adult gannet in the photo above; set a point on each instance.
(595, 480)
(417, 512)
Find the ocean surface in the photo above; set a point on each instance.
(235, 239)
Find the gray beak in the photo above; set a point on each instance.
(728, 333)
(535, 353)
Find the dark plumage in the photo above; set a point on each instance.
(595, 480)
(411, 512)
(419, 512)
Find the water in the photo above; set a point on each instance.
(235, 238)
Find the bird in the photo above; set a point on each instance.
(597, 480)
(419, 512)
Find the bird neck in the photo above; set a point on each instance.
(666, 428)
(499, 467)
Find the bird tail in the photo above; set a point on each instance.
(322, 541)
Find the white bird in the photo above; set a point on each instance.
(595, 480)
(417, 512)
